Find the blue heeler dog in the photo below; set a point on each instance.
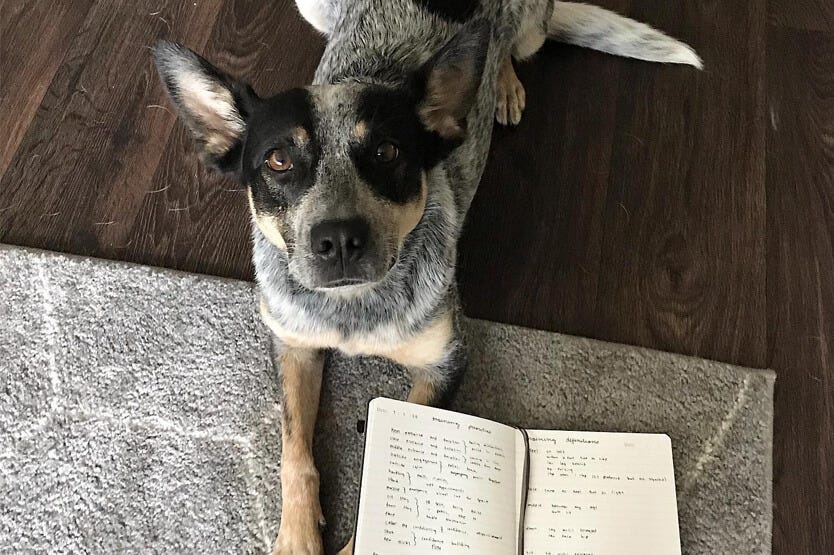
(358, 185)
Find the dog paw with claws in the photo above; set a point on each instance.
(511, 97)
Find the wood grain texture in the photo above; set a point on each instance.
(531, 245)
(33, 38)
(800, 258)
(683, 262)
(811, 15)
(641, 219)
(96, 137)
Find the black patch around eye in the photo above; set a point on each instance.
(273, 126)
(391, 116)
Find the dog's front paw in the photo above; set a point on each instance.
(300, 534)
(511, 97)
(298, 542)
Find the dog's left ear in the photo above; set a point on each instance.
(451, 80)
(212, 105)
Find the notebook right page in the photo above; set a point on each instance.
(599, 493)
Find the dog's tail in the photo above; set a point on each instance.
(599, 29)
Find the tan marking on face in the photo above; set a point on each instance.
(360, 130)
(267, 224)
(301, 515)
(301, 136)
(409, 215)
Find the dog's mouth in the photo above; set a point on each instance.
(346, 288)
(344, 283)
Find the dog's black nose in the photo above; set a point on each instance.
(340, 241)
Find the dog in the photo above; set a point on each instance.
(358, 185)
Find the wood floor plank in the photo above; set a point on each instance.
(811, 15)
(683, 265)
(530, 250)
(800, 257)
(33, 38)
(629, 205)
(196, 220)
(100, 129)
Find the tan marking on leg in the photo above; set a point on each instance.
(426, 348)
(510, 96)
(301, 516)
(423, 390)
(530, 38)
(348, 548)
(267, 224)
(360, 130)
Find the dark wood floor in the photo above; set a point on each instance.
(690, 212)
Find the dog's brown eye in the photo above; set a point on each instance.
(279, 161)
(387, 152)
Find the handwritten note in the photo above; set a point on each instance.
(594, 493)
(437, 482)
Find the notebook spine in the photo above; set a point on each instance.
(525, 483)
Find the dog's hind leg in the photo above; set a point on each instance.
(301, 516)
(511, 97)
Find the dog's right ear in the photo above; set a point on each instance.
(451, 79)
(213, 106)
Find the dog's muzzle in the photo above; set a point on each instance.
(340, 249)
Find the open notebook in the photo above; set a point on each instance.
(435, 480)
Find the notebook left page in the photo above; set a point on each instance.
(435, 480)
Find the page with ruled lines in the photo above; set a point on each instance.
(595, 493)
(437, 481)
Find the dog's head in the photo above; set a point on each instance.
(336, 174)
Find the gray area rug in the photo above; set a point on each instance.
(139, 413)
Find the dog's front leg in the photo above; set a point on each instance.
(301, 516)
(433, 383)
(437, 383)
